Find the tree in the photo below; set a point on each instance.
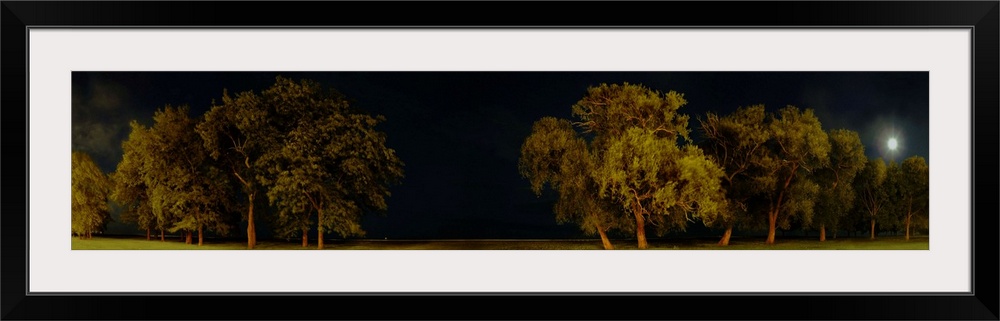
(914, 191)
(871, 192)
(798, 146)
(331, 159)
(735, 142)
(610, 110)
(836, 197)
(188, 193)
(555, 154)
(891, 215)
(236, 133)
(660, 183)
(641, 166)
(91, 188)
(130, 189)
(206, 203)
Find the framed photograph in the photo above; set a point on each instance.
(848, 60)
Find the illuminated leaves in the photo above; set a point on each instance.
(736, 142)
(837, 195)
(90, 191)
(166, 179)
(556, 155)
(329, 159)
(870, 186)
(130, 189)
(610, 110)
(668, 184)
(625, 158)
(913, 192)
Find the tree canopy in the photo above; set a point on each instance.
(797, 148)
(91, 189)
(555, 154)
(305, 147)
(634, 135)
(836, 197)
(184, 190)
(871, 190)
(330, 161)
(130, 189)
(914, 193)
(736, 142)
(235, 133)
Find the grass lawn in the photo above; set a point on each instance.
(737, 243)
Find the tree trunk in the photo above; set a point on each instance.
(201, 236)
(873, 228)
(604, 239)
(772, 217)
(822, 233)
(640, 229)
(147, 234)
(772, 220)
(305, 237)
(908, 227)
(187, 237)
(319, 229)
(835, 233)
(725, 236)
(251, 230)
(163, 237)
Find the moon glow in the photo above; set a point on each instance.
(893, 143)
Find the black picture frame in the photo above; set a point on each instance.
(982, 17)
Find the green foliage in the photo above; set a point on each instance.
(913, 193)
(235, 134)
(872, 192)
(326, 158)
(91, 188)
(799, 138)
(798, 148)
(734, 142)
(655, 178)
(836, 197)
(130, 189)
(610, 110)
(167, 180)
(236, 129)
(891, 216)
(801, 204)
(167, 172)
(633, 159)
(553, 148)
(555, 154)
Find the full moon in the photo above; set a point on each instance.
(893, 144)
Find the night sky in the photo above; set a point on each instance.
(459, 133)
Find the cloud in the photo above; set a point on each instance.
(101, 113)
(101, 140)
